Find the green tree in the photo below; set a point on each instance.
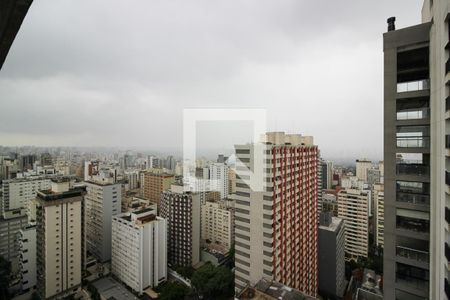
(5, 278)
(213, 282)
(173, 291)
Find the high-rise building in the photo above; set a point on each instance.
(416, 156)
(26, 162)
(139, 249)
(102, 202)
(17, 193)
(218, 174)
(217, 225)
(59, 240)
(181, 210)
(331, 256)
(154, 182)
(11, 222)
(378, 195)
(276, 227)
(362, 166)
(327, 174)
(353, 208)
(27, 258)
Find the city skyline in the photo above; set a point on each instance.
(101, 78)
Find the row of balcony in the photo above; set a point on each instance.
(413, 114)
(413, 142)
(413, 254)
(413, 169)
(419, 199)
(413, 86)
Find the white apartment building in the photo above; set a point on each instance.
(139, 249)
(17, 193)
(378, 195)
(59, 240)
(353, 208)
(218, 174)
(27, 257)
(102, 202)
(362, 165)
(217, 226)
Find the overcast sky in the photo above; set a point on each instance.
(120, 73)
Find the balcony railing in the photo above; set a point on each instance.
(447, 66)
(414, 254)
(413, 169)
(447, 251)
(412, 86)
(414, 114)
(447, 215)
(412, 282)
(414, 198)
(413, 142)
(447, 288)
(412, 224)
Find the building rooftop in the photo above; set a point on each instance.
(271, 290)
(109, 288)
(333, 226)
(49, 195)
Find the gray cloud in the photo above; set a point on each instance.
(119, 73)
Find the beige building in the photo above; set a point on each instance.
(59, 240)
(102, 202)
(217, 229)
(362, 166)
(378, 195)
(353, 208)
(154, 182)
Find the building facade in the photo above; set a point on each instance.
(276, 226)
(11, 222)
(59, 240)
(218, 175)
(181, 210)
(416, 156)
(331, 256)
(27, 258)
(102, 202)
(353, 208)
(217, 226)
(139, 249)
(154, 183)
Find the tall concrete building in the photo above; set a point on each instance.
(327, 174)
(27, 257)
(378, 195)
(59, 240)
(217, 224)
(17, 193)
(276, 225)
(139, 249)
(218, 175)
(353, 208)
(416, 129)
(331, 256)
(11, 222)
(154, 182)
(362, 166)
(102, 202)
(181, 210)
